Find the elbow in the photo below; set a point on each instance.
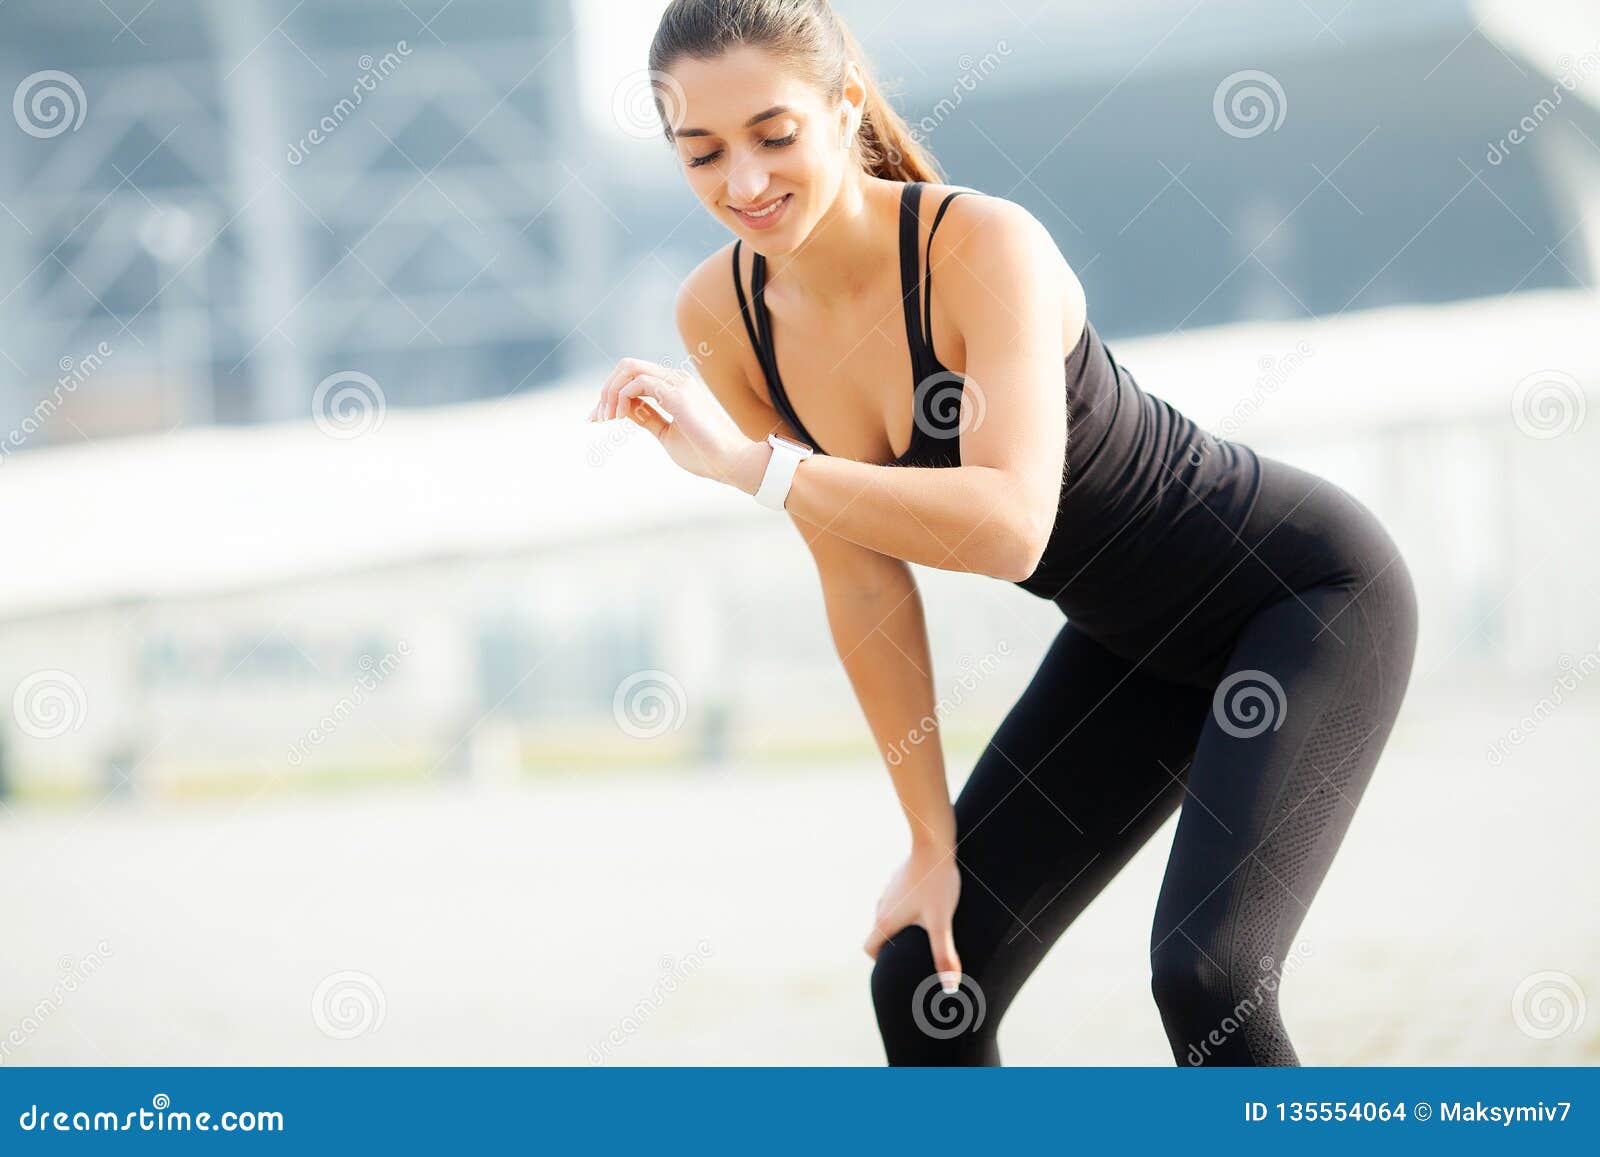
(1026, 546)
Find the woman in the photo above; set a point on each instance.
(1239, 633)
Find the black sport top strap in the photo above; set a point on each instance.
(744, 308)
(927, 278)
(919, 336)
(761, 339)
(908, 275)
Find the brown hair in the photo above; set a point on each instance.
(809, 37)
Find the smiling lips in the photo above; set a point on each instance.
(767, 216)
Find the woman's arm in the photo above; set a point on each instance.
(876, 617)
(873, 605)
(875, 613)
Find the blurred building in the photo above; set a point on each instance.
(243, 198)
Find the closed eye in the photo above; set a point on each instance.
(777, 143)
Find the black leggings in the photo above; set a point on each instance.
(1268, 760)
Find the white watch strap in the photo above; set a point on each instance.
(779, 475)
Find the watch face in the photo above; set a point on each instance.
(797, 447)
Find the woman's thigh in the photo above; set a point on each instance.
(1084, 768)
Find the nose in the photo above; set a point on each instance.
(747, 179)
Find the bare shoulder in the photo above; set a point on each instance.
(994, 247)
(707, 315)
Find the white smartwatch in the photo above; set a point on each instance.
(787, 454)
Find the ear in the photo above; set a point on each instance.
(854, 98)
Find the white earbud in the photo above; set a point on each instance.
(852, 126)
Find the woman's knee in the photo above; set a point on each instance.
(919, 1022)
(1209, 1018)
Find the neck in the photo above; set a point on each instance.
(849, 248)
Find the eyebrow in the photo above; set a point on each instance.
(768, 114)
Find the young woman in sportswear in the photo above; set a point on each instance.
(1239, 633)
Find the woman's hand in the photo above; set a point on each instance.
(700, 436)
(924, 891)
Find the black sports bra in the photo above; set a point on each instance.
(936, 395)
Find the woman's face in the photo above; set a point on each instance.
(740, 155)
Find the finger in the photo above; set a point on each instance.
(646, 385)
(641, 412)
(598, 413)
(875, 940)
(627, 370)
(946, 959)
(621, 372)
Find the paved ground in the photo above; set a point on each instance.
(717, 920)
